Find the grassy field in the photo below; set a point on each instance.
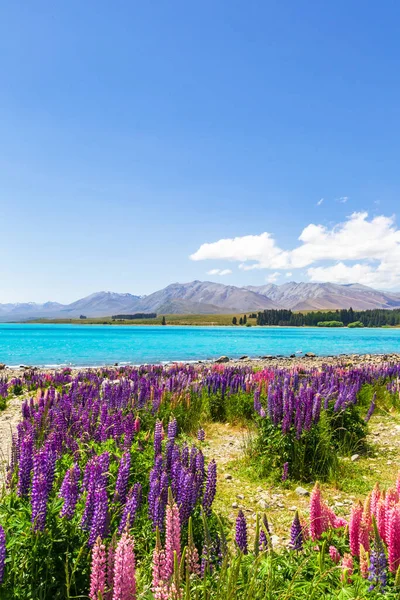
(170, 320)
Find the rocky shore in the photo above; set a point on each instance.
(308, 360)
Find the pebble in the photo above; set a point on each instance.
(228, 476)
(300, 491)
(293, 508)
(355, 457)
(263, 504)
(235, 505)
(240, 496)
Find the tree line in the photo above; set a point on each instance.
(369, 318)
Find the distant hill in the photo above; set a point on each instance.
(205, 297)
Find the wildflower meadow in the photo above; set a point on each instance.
(108, 493)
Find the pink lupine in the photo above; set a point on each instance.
(316, 513)
(354, 528)
(124, 570)
(364, 562)
(393, 538)
(381, 518)
(347, 568)
(192, 555)
(363, 536)
(331, 518)
(398, 483)
(110, 569)
(391, 499)
(334, 554)
(375, 497)
(98, 570)
(172, 536)
(159, 584)
(367, 514)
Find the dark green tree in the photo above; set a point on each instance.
(163, 322)
(244, 319)
(234, 321)
(240, 321)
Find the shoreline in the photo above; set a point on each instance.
(278, 361)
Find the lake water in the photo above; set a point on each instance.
(86, 345)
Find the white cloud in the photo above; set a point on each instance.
(343, 199)
(273, 277)
(289, 274)
(372, 246)
(320, 201)
(220, 272)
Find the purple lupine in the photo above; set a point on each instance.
(131, 506)
(241, 532)
(158, 438)
(257, 401)
(211, 486)
(98, 525)
(201, 435)
(371, 408)
(285, 471)
(296, 534)
(378, 564)
(2, 553)
(40, 490)
(172, 429)
(121, 486)
(25, 466)
(264, 539)
(69, 491)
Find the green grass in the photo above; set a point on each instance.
(170, 319)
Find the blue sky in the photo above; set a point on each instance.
(134, 133)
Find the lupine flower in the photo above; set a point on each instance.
(172, 429)
(378, 564)
(211, 486)
(264, 540)
(172, 536)
(316, 513)
(347, 568)
(371, 408)
(241, 532)
(98, 570)
(354, 528)
(334, 554)
(131, 507)
(159, 584)
(25, 466)
(285, 471)
(121, 485)
(201, 435)
(364, 562)
(69, 491)
(110, 568)
(42, 482)
(2, 553)
(158, 435)
(100, 514)
(192, 556)
(296, 533)
(393, 538)
(124, 585)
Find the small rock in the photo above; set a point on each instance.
(243, 357)
(274, 540)
(310, 355)
(2, 366)
(339, 504)
(228, 476)
(263, 504)
(389, 462)
(222, 359)
(355, 457)
(293, 508)
(300, 491)
(235, 505)
(240, 496)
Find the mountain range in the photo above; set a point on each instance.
(205, 297)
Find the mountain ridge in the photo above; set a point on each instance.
(207, 297)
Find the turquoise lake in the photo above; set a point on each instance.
(86, 345)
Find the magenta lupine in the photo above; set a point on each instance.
(393, 538)
(391, 499)
(381, 518)
(316, 513)
(354, 528)
(363, 536)
(241, 532)
(172, 537)
(2, 553)
(110, 569)
(334, 554)
(98, 571)
(124, 585)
